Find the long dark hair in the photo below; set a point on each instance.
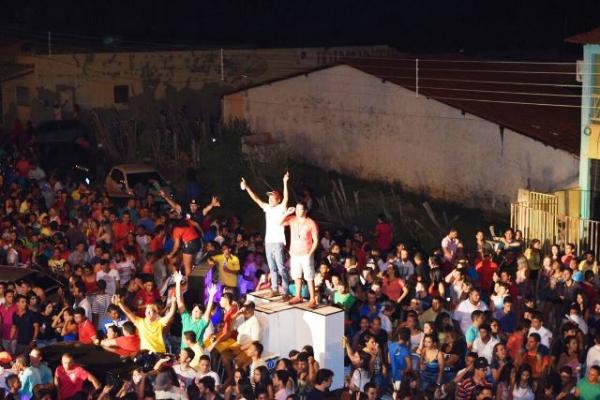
(265, 378)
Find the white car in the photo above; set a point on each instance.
(127, 180)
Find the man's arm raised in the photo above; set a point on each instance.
(286, 178)
(170, 202)
(253, 196)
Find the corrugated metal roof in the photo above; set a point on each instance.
(485, 90)
(497, 92)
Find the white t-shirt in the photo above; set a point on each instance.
(111, 278)
(544, 333)
(212, 374)
(273, 217)
(463, 313)
(248, 330)
(485, 349)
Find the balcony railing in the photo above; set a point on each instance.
(553, 228)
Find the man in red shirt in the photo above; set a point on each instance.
(121, 230)
(145, 296)
(304, 239)
(86, 331)
(127, 345)
(383, 234)
(485, 270)
(69, 378)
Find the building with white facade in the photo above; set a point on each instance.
(464, 131)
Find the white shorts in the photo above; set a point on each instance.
(302, 265)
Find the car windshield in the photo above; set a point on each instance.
(145, 178)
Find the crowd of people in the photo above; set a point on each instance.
(494, 318)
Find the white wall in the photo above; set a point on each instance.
(345, 120)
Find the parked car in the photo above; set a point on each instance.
(128, 180)
(68, 147)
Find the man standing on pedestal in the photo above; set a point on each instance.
(304, 239)
(274, 236)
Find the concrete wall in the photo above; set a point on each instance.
(160, 80)
(345, 120)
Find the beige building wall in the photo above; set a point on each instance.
(345, 120)
(196, 78)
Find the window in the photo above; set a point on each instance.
(23, 96)
(121, 94)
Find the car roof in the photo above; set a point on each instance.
(135, 168)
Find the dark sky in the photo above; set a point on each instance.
(515, 27)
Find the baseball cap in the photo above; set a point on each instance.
(481, 362)
(193, 201)
(275, 193)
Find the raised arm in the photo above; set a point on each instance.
(178, 277)
(253, 196)
(286, 178)
(170, 202)
(215, 202)
(169, 315)
(212, 291)
(289, 213)
(130, 316)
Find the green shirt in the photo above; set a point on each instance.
(188, 324)
(346, 300)
(588, 391)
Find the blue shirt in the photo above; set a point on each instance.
(507, 322)
(398, 354)
(471, 334)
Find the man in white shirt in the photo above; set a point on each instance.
(484, 344)
(537, 327)
(186, 375)
(248, 331)
(593, 354)
(465, 308)
(81, 300)
(450, 244)
(274, 210)
(110, 276)
(204, 370)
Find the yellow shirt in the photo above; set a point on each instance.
(151, 335)
(198, 352)
(233, 263)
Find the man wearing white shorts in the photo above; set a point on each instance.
(304, 239)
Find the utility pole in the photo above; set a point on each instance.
(222, 67)
(49, 43)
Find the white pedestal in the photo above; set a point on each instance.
(286, 328)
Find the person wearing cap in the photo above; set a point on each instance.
(304, 240)
(274, 211)
(466, 388)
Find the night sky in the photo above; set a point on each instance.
(512, 28)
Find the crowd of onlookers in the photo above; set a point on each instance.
(482, 318)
